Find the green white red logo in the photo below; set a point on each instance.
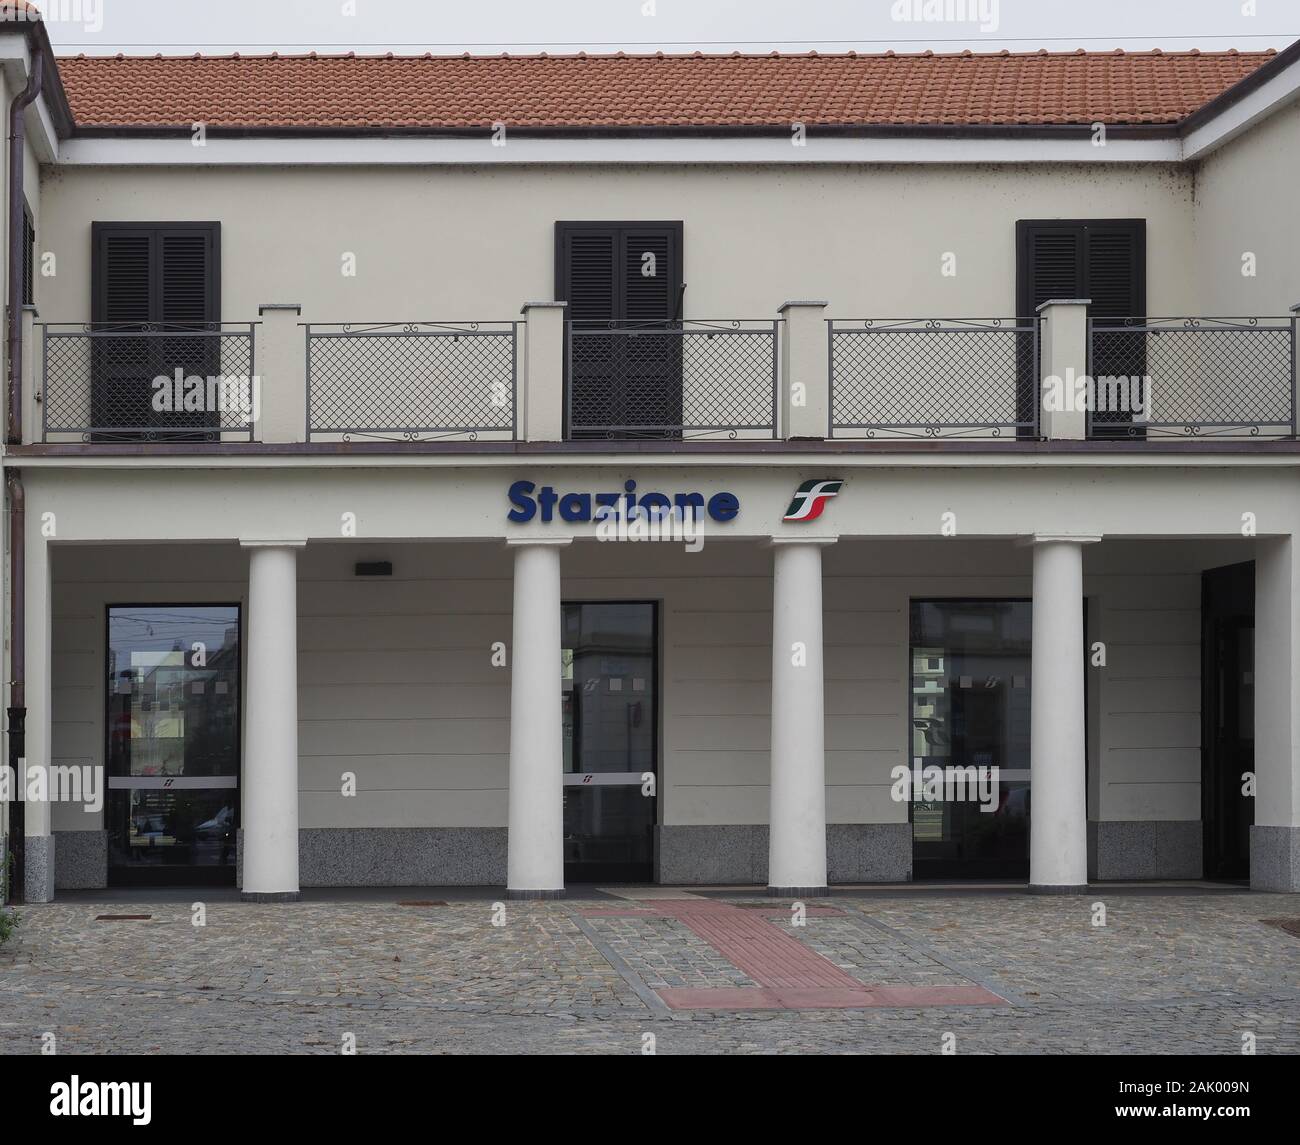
(811, 497)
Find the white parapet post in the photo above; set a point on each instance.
(805, 403)
(535, 842)
(270, 832)
(797, 817)
(280, 371)
(540, 415)
(1063, 355)
(1275, 835)
(1058, 822)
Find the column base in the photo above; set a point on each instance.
(1275, 859)
(525, 896)
(270, 896)
(1050, 889)
(38, 868)
(798, 892)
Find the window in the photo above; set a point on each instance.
(1103, 260)
(149, 281)
(29, 258)
(623, 285)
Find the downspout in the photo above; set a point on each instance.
(14, 436)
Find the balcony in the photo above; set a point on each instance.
(412, 381)
(127, 382)
(801, 376)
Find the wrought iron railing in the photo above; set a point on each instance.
(934, 377)
(672, 380)
(1192, 377)
(412, 381)
(148, 381)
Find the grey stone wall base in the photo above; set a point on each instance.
(38, 868)
(83, 860)
(1144, 849)
(868, 853)
(401, 856)
(270, 896)
(737, 854)
(530, 896)
(1275, 859)
(1058, 889)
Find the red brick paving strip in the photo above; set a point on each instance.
(790, 976)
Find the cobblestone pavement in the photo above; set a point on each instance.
(1168, 973)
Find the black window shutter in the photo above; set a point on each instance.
(624, 277)
(29, 259)
(160, 274)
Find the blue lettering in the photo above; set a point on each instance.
(526, 509)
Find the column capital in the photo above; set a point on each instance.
(292, 543)
(1055, 538)
(520, 542)
(778, 542)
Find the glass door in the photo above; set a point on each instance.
(970, 715)
(609, 674)
(173, 744)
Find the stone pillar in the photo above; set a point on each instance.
(270, 833)
(797, 819)
(535, 847)
(1275, 836)
(805, 371)
(38, 843)
(280, 367)
(540, 416)
(1058, 821)
(1063, 356)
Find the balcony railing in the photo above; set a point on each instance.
(412, 381)
(672, 380)
(934, 378)
(1192, 377)
(148, 382)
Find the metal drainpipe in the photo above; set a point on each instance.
(14, 435)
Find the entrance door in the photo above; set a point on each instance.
(1227, 717)
(173, 744)
(623, 285)
(610, 673)
(970, 711)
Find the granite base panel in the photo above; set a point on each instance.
(1120, 850)
(83, 861)
(401, 856)
(38, 868)
(736, 854)
(1275, 859)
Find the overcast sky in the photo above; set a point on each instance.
(444, 26)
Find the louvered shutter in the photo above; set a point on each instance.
(29, 259)
(1102, 260)
(622, 283)
(159, 276)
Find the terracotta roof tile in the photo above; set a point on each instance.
(580, 91)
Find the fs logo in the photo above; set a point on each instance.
(811, 497)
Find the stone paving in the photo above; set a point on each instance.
(1168, 973)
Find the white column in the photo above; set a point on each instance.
(39, 841)
(271, 724)
(535, 847)
(1058, 821)
(1275, 835)
(797, 818)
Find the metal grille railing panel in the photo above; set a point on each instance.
(1192, 377)
(934, 378)
(148, 381)
(672, 380)
(412, 381)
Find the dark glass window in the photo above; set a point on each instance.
(970, 692)
(173, 740)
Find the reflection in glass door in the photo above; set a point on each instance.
(609, 672)
(970, 710)
(173, 743)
